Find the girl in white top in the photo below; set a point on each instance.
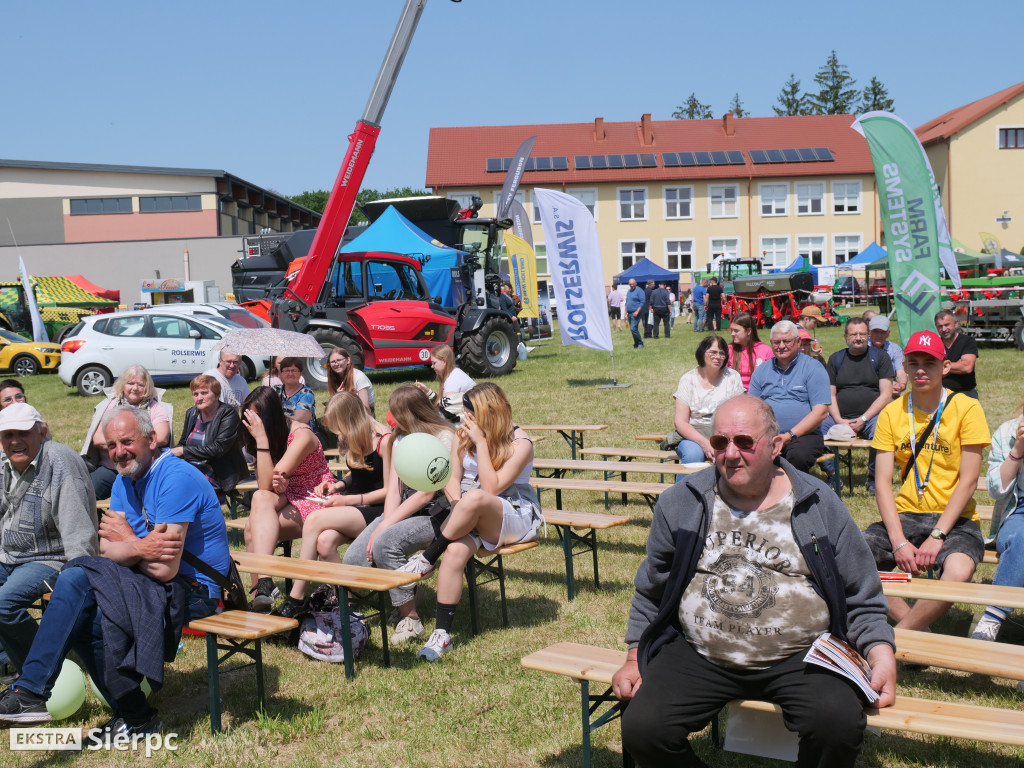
(698, 396)
(454, 382)
(342, 376)
(496, 506)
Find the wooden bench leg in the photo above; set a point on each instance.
(214, 662)
(590, 705)
(380, 608)
(213, 672)
(496, 570)
(574, 544)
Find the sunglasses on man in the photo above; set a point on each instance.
(743, 442)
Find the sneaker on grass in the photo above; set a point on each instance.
(438, 643)
(418, 564)
(987, 629)
(23, 708)
(292, 608)
(263, 595)
(408, 628)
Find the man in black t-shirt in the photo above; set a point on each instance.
(713, 321)
(961, 351)
(661, 307)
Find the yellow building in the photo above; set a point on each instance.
(977, 155)
(681, 192)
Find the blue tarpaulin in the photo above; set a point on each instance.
(872, 253)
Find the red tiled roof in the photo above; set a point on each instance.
(457, 156)
(944, 126)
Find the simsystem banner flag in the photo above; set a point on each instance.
(916, 234)
(524, 274)
(574, 260)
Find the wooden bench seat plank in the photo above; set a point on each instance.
(626, 453)
(579, 484)
(243, 625)
(620, 467)
(246, 486)
(984, 511)
(351, 576)
(576, 544)
(956, 592)
(583, 519)
(580, 662)
(961, 653)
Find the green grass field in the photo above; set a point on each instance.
(478, 707)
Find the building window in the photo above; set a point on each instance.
(774, 199)
(813, 247)
(633, 204)
(678, 202)
(630, 252)
(101, 205)
(464, 199)
(170, 203)
(775, 252)
(809, 199)
(678, 255)
(1011, 138)
(725, 246)
(541, 252)
(845, 247)
(845, 197)
(722, 201)
(586, 196)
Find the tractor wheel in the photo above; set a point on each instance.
(25, 365)
(330, 338)
(491, 351)
(1018, 335)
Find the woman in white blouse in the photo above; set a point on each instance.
(698, 396)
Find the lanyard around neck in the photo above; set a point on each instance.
(922, 487)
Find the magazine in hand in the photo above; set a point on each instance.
(832, 653)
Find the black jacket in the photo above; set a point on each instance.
(220, 456)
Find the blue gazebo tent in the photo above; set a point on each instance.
(645, 270)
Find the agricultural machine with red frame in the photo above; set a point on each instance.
(770, 298)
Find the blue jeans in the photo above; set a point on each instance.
(392, 549)
(73, 621)
(698, 318)
(634, 327)
(689, 453)
(21, 586)
(1010, 546)
(103, 481)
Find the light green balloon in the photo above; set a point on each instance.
(422, 461)
(68, 692)
(146, 689)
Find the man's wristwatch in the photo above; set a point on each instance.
(938, 534)
(791, 435)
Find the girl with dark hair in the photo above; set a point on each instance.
(496, 505)
(342, 376)
(290, 466)
(746, 351)
(700, 392)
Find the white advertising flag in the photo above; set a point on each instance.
(574, 260)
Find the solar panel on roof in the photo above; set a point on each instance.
(719, 158)
(614, 161)
(493, 164)
(543, 164)
(648, 161)
(736, 157)
(599, 161)
(775, 156)
(791, 155)
(582, 162)
(560, 163)
(824, 154)
(807, 155)
(631, 161)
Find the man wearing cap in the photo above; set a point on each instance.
(961, 352)
(811, 317)
(878, 329)
(47, 517)
(933, 439)
(233, 386)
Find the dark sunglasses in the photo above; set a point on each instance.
(466, 404)
(743, 442)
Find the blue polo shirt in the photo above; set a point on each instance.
(173, 491)
(699, 292)
(792, 392)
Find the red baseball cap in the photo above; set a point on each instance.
(928, 342)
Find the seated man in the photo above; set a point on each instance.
(797, 389)
(122, 613)
(47, 517)
(747, 564)
(935, 437)
(878, 328)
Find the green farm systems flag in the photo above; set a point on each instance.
(916, 234)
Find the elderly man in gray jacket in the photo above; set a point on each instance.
(747, 564)
(47, 517)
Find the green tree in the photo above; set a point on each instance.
(315, 201)
(875, 97)
(736, 107)
(692, 109)
(837, 91)
(790, 101)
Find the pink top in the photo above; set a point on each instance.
(762, 352)
(303, 481)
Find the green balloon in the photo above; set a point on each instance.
(146, 689)
(422, 461)
(68, 692)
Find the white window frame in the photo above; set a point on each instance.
(633, 241)
(857, 207)
(665, 201)
(786, 259)
(464, 199)
(803, 189)
(692, 254)
(845, 250)
(540, 251)
(824, 248)
(775, 186)
(575, 192)
(714, 189)
(618, 203)
(711, 246)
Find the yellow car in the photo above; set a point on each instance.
(27, 358)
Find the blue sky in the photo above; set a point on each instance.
(269, 91)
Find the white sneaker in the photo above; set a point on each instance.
(986, 630)
(439, 642)
(408, 628)
(419, 565)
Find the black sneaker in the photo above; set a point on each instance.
(23, 707)
(292, 608)
(264, 595)
(118, 727)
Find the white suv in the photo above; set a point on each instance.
(174, 348)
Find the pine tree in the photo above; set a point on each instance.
(736, 107)
(692, 109)
(791, 101)
(837, 94)
(875, 97)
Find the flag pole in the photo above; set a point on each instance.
(615, 382)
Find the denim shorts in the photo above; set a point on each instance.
(917, 526)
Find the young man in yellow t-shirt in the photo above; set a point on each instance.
(931, 522)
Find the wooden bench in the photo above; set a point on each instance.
(843, 449)
(363, 584)
(587, 664)
(559, 467)
(568, 525)
(236, 632)
(968, 592)
(571, 433)
(626, 454)
(487, 566)
(960, 653)
(650, 491)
